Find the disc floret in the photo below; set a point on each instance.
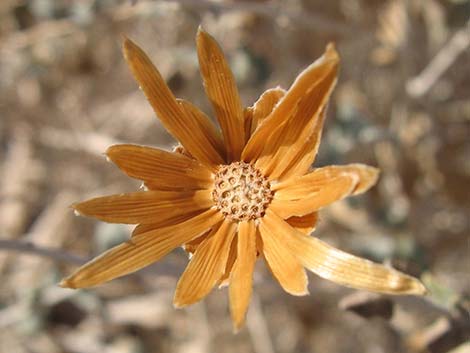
(241, 192)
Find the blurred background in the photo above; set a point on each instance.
(401, 103)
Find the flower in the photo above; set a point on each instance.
(230, 198)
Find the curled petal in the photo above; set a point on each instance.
(161, 170)
(285, 145)
(340, 267)
(192, 245)
(287, 204)
(306, 149)
(179, 124)
(145, 206)
(222, 91)
(282, 263)
(206, 266)
(241, 278)
(305, 224)
(142, 250)
(284, 110)
(265, 105)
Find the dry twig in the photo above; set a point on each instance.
(421, 84)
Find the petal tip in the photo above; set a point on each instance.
(331, 52)
(76, 209)
(129, 48)
(420, 288)
(178, 305)
(300, 293)
(201, 32)
(237, 326)
(66, 283)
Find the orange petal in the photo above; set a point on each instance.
(165, 222)
(232, 256)
(285, 144)
(206, 266)
(340, 267)
(283, 265)
(184, 128)
(145, 206)
(255, 114)
(305, 224)
(211, 133)
(222, 91)
(160, 169)
(248, 116)
(192, 245)
(304, 83)
(141, 251)
(287, 204)
(265, 105)
(313, 182)
(307, 150)
(241, 279)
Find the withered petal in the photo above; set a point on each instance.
(232, 256)
(312, 197)
(286, 143)
(284, 266)
(304, 83)
(301, 187)
(305, 224)
(145, 206)
(161, 170)
(341, 267)
(265, 105)
(222, 91)
(241, 278)
(179, 124)
(307, 150)
(142, 250)
(211, 133)
(165, 222)
(206, 266)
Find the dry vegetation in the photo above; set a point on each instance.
(401, 104)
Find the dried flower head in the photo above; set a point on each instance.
(231, 198)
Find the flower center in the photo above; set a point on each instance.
(241, 192)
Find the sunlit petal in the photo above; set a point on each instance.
(209, 130)
(205, 267)
(283, 265)
(288, 204)
(160, 169)
(307, 150)
(305, 224)
(145, 206)
(222, 91)
(286, 143)
(341, 267)
(304, 83)
(165, 222)
(265, 105)
(311, 183)
(232, 256)
(241, 279)
(140, 251)
(185, 129)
